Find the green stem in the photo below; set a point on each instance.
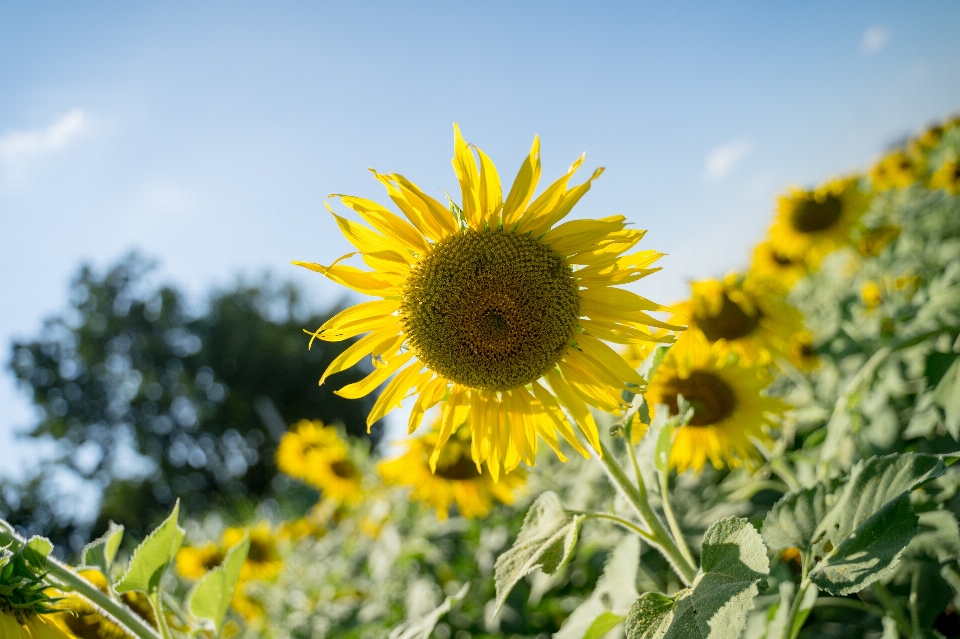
(629, 525)
(157, 606)
(892, 606)
(671, 519)
(637, 497)
(914, 611)
(778, 466)
(853, 604)
(792, 628)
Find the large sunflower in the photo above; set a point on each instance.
(812, 223)
(316, 454)
(455, 480)
(742, 315)
(729, 409)
(493, 307)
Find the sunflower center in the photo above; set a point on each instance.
(730, 322)
(713, 400)
(780, 259)
(811, 215)
(259, 552)
(344, 469)
(460, 468)
(491, 310)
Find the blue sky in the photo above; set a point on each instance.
(207, 134)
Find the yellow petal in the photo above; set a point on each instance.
(491, 195)
(374, 379)
(375, 309)
(617, 299)
(541, 210)
(523, 187)
(385, 221)
(395, 391)
(441, 219)
(432, 392)
(367, 240)
(374, 344)
(552, 410)
(609, 359)
(466, 169)
(580, 235)
(577, 407)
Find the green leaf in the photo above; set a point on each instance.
(854, 532)
(152, 557)
(937, 365)
(793, 520)
(611, 598)
(211, 596)
(36, 550)
(603, 624)
(422, 627)
(545, 541)
(947, 396)
(938, 538)
(734, 560)
(101, 552)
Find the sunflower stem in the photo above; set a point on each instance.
(157, 606)
(672, 520)
(69, 581)
(626, 523)
(636, 495)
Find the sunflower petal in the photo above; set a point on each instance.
(465, 166)
(374, 379)
(523, 187)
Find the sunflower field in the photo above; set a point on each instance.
(772, 457)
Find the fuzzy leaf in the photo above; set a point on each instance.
(545, 541)
(101, 552)
(603, 624)
(36, 550)
(938, 538)
(716, 606)
(211, 596)
(947, 396)
(792, 520)
(422, 627)
(152, 557)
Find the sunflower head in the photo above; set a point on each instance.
(193, 562)
(495, 308)
(778, 269)
(897, 170)
(316, 454)
(729, 409)
(812, 223)
(742, 315)
(23, 594)
(263, 560)
(947, 177)
(456, 480)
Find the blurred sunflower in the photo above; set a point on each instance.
(82, 620)
(897, 170)
(30, 626)
(195, 562)
(802, 351)
(947, 177)
(263, 560)
(316, 454)
(456, 478)
(729, 410)
(493, 307)
(743, 316)
(772, 266)
(812, 223)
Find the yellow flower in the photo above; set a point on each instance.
(871, 295)
(812, 223)
(263, 559)
(456, 480)
(195, 562)
(492, 307)
(802, 351)
(774, 267)
(729, 410)
(30, 626)
(316, 454)
(897, 170)
(742, 315)
(301, 528)
(947, 177)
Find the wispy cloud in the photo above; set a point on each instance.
(874, 39)
(15, 145)
(723, 159)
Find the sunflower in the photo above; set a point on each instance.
(742, 315)
(812, 223)
(193, 562)
(802, 351)
(263, 560)
(456, 478)
(897, 170)
(315, 453)
(772, 266)
(30, 626)
(729, 409)
(947, 177)
(25, 603)
(493, 308)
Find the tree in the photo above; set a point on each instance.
(149, 403)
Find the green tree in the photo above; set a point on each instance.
(150, 403)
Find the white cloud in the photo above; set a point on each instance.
(723, 159)
(15, 145)
(874, 39)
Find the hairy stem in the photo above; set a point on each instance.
(157, 606)
(629, 525)
(672, 520)
(637, 497)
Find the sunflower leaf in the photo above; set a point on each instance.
(716, 606)
(947, 396)
(211, 596)
(152, 557)
(36, 550)
(101, 552)
(546, 541)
